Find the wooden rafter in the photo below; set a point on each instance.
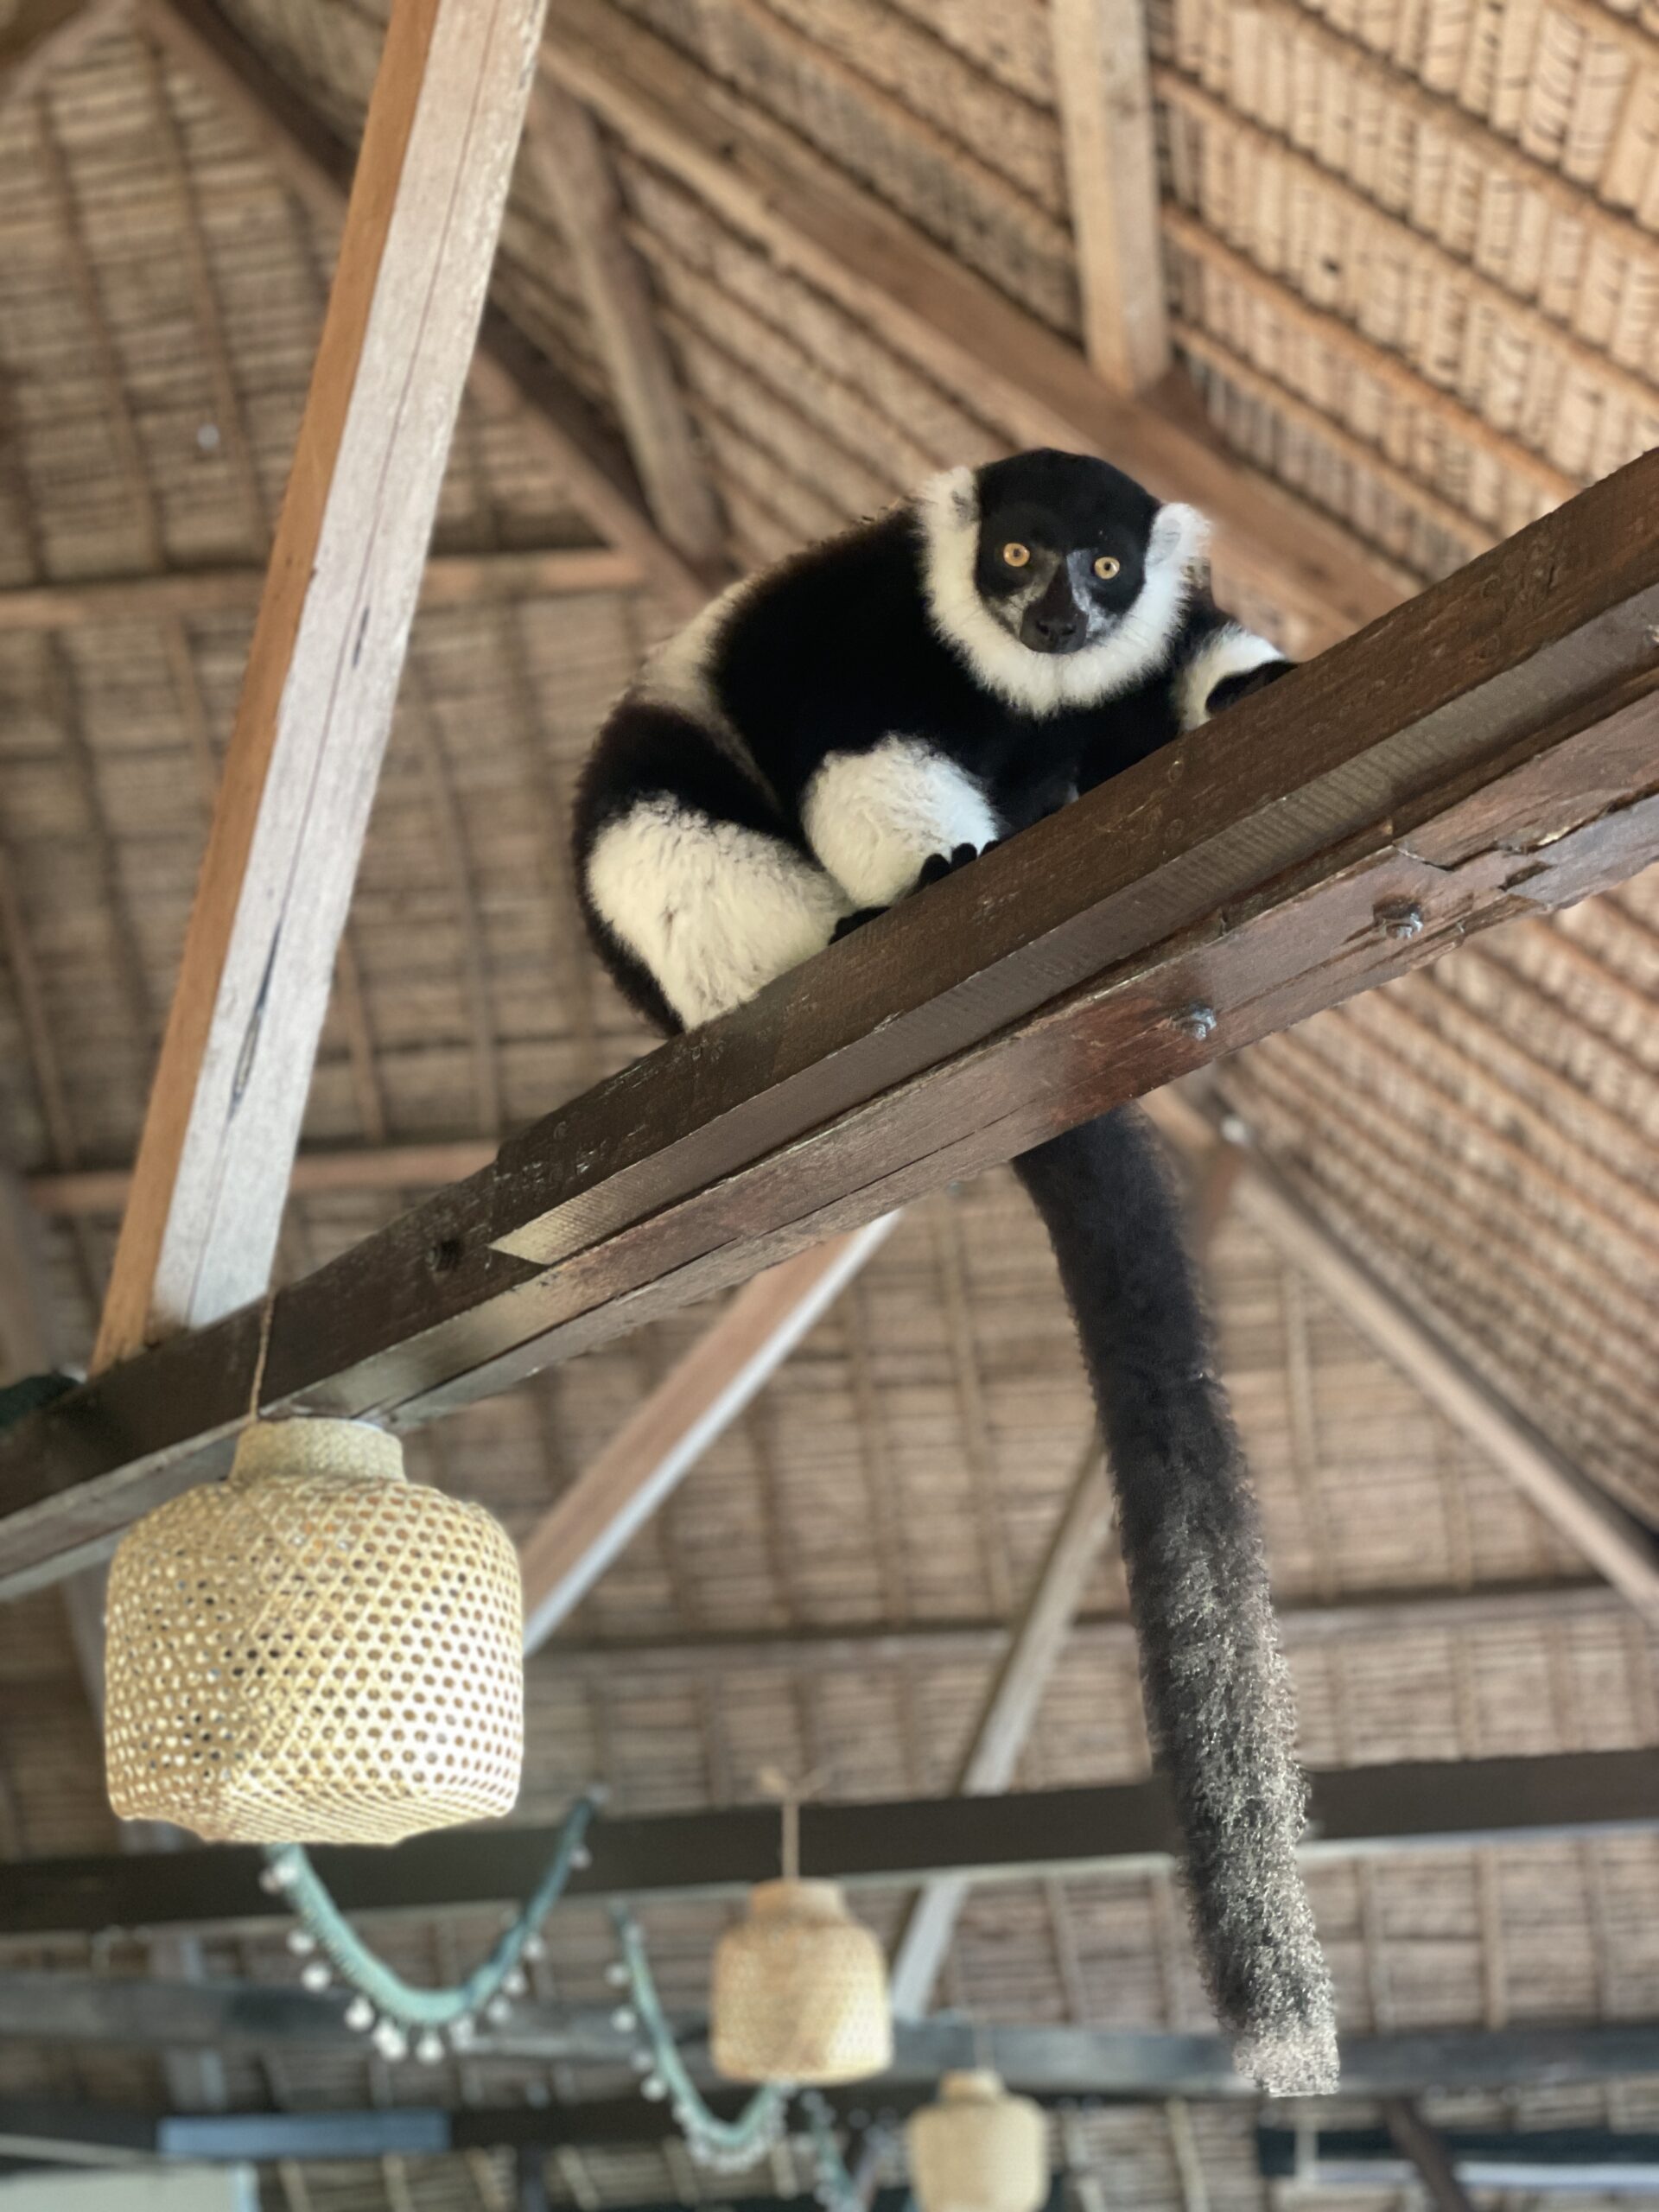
(1102, 89)
(448, 580)
(564, 151)
(1007, 1718)
(1612, 1539)
(208, 1188)
(665, 1436)
(318, 166)
(1123, 1828)
(74, 1193)
(1485, 752)
(949, 322)
(1426, 2149)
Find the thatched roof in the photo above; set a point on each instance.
(1412, 264)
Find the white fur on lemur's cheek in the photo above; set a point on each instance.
(714, 911)
(1231, 650)
(874, 817)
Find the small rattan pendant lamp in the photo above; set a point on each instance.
(315, 1650)
(978, 2149)
(799, 1991)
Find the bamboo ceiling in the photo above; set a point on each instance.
(1412, 254)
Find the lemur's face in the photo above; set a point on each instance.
(1063, 549)
(1057, 580)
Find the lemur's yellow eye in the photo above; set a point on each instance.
(1016, 556)
(1106, 567)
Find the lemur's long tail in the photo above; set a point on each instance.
(1217, 1692)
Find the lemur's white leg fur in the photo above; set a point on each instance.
(874, 817)
(714, 911)
(1231, 650)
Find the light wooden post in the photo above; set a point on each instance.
(201, 1224)
(1103, 90)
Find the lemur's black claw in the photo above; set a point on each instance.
(935, 870)
(849, 923)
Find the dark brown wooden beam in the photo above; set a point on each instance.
(1487, 751)
(1049, 2061)
(1121, 1827)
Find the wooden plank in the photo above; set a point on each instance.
(447, 580)
(1006, 1719)
(1613, 1540)
(1122, 1828)
(1608, 2162)
(564, 151)
(663, 1440)
(201, 1226)
(1102, 89)
(1047, 2062)
(949, 322)
(317, 166)
(1485, 752)
(39, 36)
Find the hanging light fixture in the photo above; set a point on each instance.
(800, 1987)
(314, 1650)
(978, 2149)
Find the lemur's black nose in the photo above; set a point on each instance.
(1052, 630)
(1053, 622)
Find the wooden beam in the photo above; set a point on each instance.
(1426, 2149)
(949, 322)
(201, 1224)
(39, 36)
(1527, 1608)
(447, 580)
(1102, 89)
(563, 152)
(1048, 2062)
(1122, 1828)
(1486, 751)
(1604, 2161)
(663, 1440)
(1612, 1539)
(317, 166)
(1006, 1719)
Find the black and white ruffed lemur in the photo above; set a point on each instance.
(821, 741)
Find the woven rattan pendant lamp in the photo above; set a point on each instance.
(314, 1650)
(978, 2149)
(799, 1991)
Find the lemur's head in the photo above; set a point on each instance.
(1059, 579)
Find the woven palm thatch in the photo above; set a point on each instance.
(316, 1651)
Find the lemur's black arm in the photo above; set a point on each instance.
(1231, 688)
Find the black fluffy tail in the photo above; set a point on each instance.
(1217, 1692)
